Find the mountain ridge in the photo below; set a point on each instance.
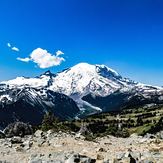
(85, 83)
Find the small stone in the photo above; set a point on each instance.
(49, 155)
(38, 133)
(27, 144)
(40, 142)
(79, 136)
(149, 136)
(77, 158)
(100, 157)
(120, 156)
(19, 149)
(102, 150)
(16, 140)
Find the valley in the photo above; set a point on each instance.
(140, 120)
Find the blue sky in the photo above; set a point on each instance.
(125, 35)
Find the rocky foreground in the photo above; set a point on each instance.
(50, 147)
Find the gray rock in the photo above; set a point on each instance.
(36, 161)
(35, 158)
(16, 140)
(39, 134)
(100, 157)
(40, 142)
(120, 156)
(150, 136)
(50, 133)
(79, 136)
(19, 149)
(7, 144)
(27, 144)
(160, 135)
(125, 157)
(136, 155)
(60, 157)
(134, 135)
(77, 158)
(102, 150)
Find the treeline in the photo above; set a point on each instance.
(114, 123)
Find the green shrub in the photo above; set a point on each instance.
(49, 122)
(52, 122)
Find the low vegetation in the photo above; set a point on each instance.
(142, 120)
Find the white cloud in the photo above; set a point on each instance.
(59, 52)
(15, 49)
(9, 45)
(43, 58)
(23, 59)
(12, 47)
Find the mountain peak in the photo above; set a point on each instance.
(48, 73)
(102, 70)
(83, 65)
(85, 78)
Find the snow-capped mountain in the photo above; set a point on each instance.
(94, 88)
(81, 80)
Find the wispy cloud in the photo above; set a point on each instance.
(9, 45)
(12, 47)
(43, 58)
(23, 59)
(15, 49)
(59, 52)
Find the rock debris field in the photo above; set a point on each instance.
(50, 147)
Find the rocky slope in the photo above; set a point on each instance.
(30, 105)
(68, 148)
